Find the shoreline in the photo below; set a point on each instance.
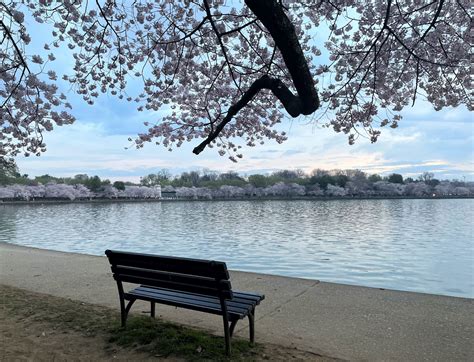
(343, 321)
(302, 198)
(74, 253)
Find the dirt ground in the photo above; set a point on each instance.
(23, 340)
(35, 327)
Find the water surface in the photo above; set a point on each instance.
(416, 245)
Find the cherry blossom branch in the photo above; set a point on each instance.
(219, 38)
(217, 70)
(238, 29)
(433, 22)
(15, 45)
(291, 103)
(283, 32)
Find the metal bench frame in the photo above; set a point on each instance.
(201, 285)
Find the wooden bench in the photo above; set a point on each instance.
(201, 285)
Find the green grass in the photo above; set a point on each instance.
(165, 339)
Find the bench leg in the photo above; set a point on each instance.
(251, 317)
(123, 317)
(227, 335)
(232, 326)
(124, 311)
(152, 309)
(225, 318)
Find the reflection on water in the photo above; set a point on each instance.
(417, 245)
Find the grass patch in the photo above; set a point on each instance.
(154, 336)
(165, 339)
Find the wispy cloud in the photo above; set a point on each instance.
(91, 147)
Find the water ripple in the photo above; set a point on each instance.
(417, 245)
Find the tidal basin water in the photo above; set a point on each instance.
(415, 245)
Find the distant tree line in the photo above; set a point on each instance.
(296, 183)
(319, 177)
(14, 186)
(9, 175)
(213, 185)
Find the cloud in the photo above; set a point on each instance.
(90, 147)
(291, 152)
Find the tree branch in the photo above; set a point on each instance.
(433, 22)
(291, 103)
(283, 32)
(219, 38)
(15, 45)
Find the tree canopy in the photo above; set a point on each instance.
(224, 70)
(8, 170)
(209, 185)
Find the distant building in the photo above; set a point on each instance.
(168, 194)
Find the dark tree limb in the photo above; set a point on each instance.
(291, 103)
(283, 32)
(433, 22)
(9, 35)
(271, 15)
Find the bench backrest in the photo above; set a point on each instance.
(205, 277)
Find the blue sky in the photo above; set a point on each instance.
(441, 142)
(426, 140)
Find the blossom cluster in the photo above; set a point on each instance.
(280, 189)
(195, 60)
(55, 191)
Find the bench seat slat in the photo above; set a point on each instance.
(257, 298)
(192, 297)
(159, 293)
(235, 301)
(176, 304)
(177, 301)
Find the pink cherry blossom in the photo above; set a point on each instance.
(224, 71)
